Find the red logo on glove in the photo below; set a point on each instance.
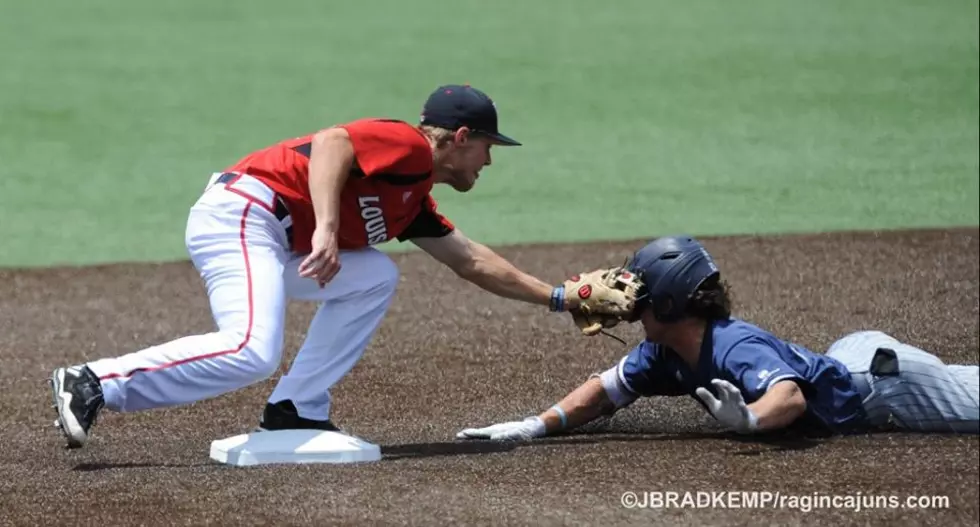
(585, 291)
(626, 275)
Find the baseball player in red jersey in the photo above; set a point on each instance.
(297, 220)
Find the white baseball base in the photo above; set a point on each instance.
(292, 447)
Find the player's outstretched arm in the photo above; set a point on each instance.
(483, 267)
(581, 406)
(586, 403)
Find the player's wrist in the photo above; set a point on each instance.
(749, 424)
(557, 304)
(327, 225)
(562, 417)
(536, 427)
(552, 420)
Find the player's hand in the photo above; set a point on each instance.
(729, 408)
(529, 428)
(323, 262)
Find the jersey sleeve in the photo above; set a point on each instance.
(389, 147)
(428, 223)
(642, 373)
(755, 366)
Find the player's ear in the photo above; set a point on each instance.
(462, 135)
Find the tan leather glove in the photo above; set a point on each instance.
(601, 299)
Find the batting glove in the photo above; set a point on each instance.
(529, 428)
(729, 408)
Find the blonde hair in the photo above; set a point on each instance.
(439, 136)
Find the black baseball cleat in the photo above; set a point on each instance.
(78, 400)
(283, 416)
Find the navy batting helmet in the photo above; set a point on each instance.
(671, 268)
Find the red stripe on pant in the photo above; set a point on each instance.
(248, 330)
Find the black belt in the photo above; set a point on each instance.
(279, 207)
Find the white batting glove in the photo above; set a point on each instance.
(729, 408)
(529, 428)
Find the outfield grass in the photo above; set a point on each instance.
(639, 117)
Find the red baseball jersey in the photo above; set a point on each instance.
(387, 194)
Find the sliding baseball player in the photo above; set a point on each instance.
(750, 380)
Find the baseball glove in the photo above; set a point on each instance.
(601, 299)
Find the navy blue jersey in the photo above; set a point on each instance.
(753, 360)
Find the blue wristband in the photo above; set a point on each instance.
(558, 299)
(561, 415)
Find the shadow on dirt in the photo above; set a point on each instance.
(97, 467)
(757, 445)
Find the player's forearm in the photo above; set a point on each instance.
(782, 404)
(584, 404)
(331, 158)
(495, 274)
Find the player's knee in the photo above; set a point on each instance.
(265, 355)
(259, 352)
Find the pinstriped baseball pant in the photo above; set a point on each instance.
(924, 395)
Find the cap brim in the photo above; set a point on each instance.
(502, 139)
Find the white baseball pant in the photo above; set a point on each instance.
(240, 249)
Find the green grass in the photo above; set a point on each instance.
(639, 117)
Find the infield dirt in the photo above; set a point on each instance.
(450, 356)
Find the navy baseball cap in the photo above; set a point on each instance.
(454, 106)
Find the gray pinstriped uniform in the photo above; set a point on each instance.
(908, 388)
